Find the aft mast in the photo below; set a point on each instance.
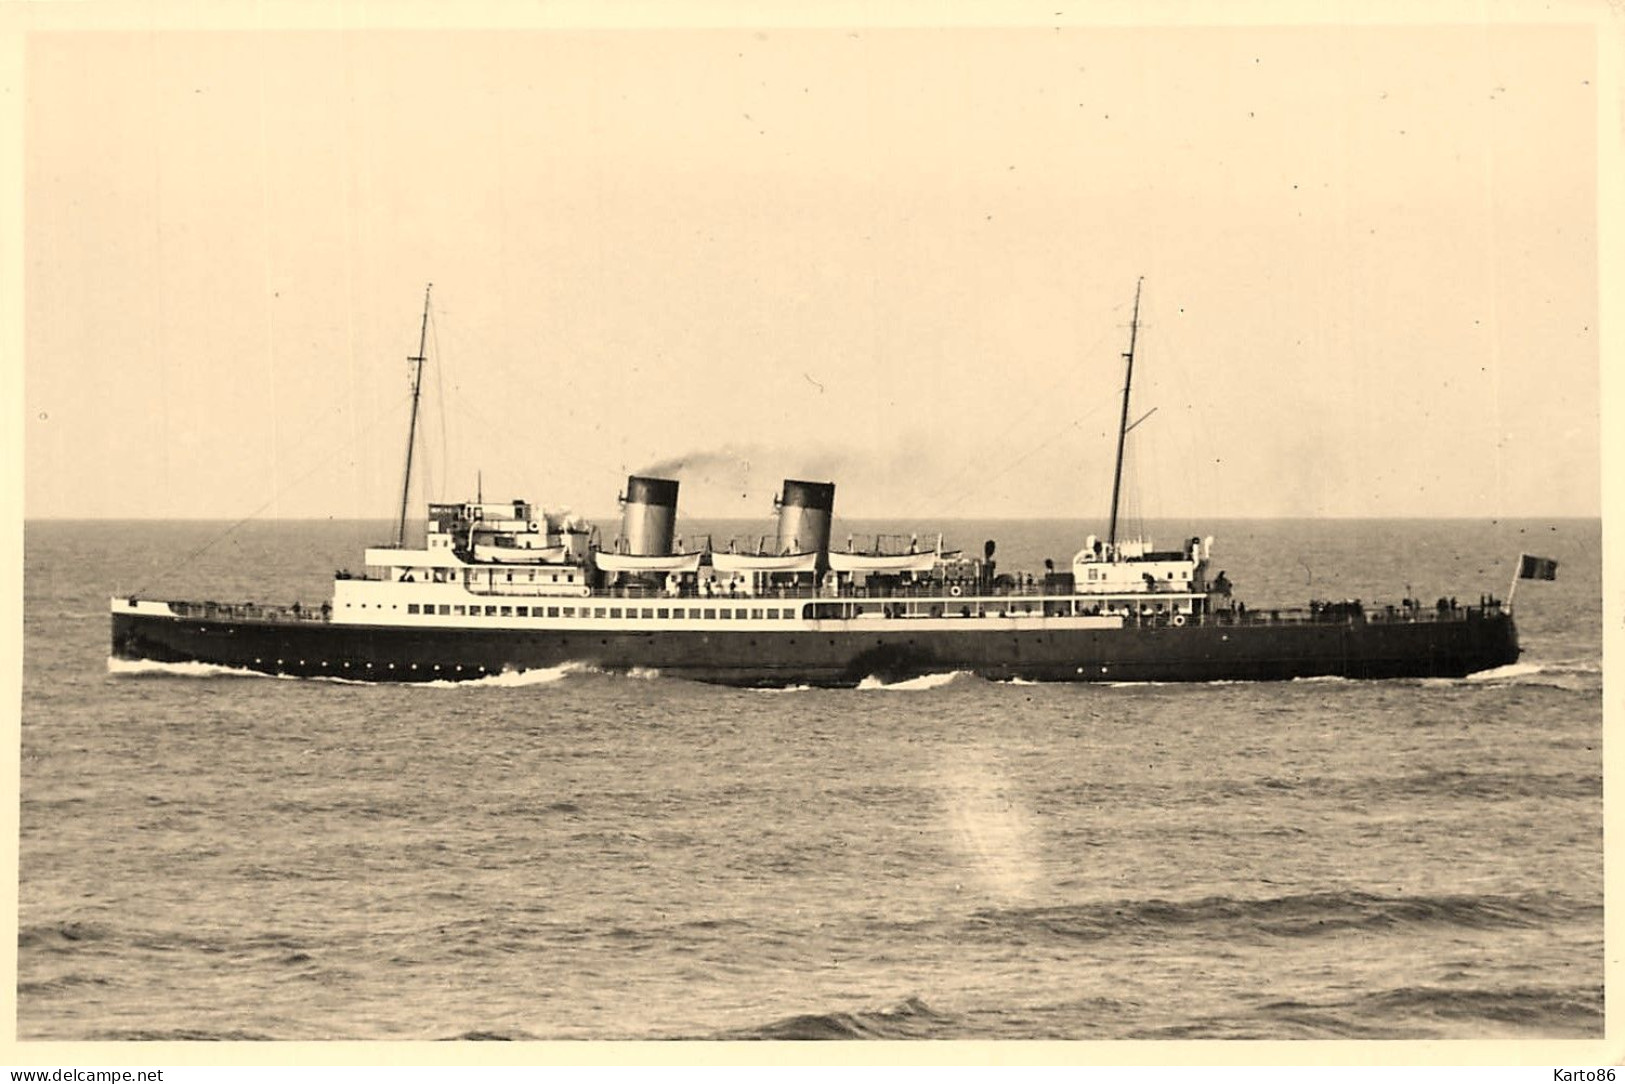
(1123, 426)
(412, 426)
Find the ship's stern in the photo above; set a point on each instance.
(1496, 643)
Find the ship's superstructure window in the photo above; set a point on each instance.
(507, 611)
(522, 611)
(490, 611)
(445, 608)
(458, 610)
(664, 611)
(411, 607)
(598, 611)
(552, 611)
(709, 614)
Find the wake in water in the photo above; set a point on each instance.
(1570, 676)
(518, 679)
(547, 675)
(507, 679)
(1558, 674)
(925, 681)
(148, 668)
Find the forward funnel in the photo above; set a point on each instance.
(648, 516)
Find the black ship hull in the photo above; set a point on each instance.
(1255, 649)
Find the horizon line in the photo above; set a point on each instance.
(1342, 517)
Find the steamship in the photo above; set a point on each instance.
(510, 586)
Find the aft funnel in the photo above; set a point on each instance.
(805, 511)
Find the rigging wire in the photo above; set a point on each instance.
(1077, 423)
(426, 473)
(969, 483)
(440, 399)
(325, 460)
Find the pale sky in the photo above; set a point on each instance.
(899, 259)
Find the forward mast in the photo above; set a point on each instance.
(412, 425)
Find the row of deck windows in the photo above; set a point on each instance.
(1100, 574)
(708, 613)
(471, 577)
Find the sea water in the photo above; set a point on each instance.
(572, 854)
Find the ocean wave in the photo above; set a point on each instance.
(60, 936)
(911, 1019)
(924, 681)
(60, 984)
(181, 1035)
(1408, 1012)
(1562, 1008)
(1411, 1012)
(1491, 786)
(1455, 783)
(516, 1035)
(1304, 915)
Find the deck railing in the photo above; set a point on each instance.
(903, 606)
(252, 611)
